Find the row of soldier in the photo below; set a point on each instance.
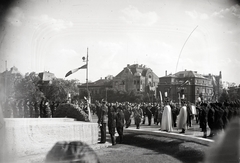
(169, 115)
(29, 109)
(33, 109)
(217, 115)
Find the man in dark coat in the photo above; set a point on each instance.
(120, 123)
(204, 119)
(174, 113)
(112, 123)
(211, 119)
(149, 114)
(218, 117)
(225, 114)
(127, 114)
(189, 115)
(154, 110)
(144, 107)
(102, 121)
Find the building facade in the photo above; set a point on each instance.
(189, 85)
(137, 78)
(98, 89)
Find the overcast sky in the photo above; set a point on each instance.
(53, 35)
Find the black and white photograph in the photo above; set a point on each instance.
(119, 81)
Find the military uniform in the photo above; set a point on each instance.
(120, 124)
(102, 121)
(112, 123)
(137, 113)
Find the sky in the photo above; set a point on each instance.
(172, 36)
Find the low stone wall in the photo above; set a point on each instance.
(33, 136)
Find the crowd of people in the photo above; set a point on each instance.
(167, 115)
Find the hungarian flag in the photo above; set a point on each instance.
(75, 70)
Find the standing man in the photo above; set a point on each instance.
(120, 123)
(138, 115)
(182, 118)
(166, 124)
(103, 120)
(143, 107)
(210, 119)
(112, 123)
(149, 114)
(189, 114)
(174, 113)
(127, 114)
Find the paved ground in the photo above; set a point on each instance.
(150, 144)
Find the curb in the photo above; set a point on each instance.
(189, 138)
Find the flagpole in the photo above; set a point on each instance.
(87, 74)
(88, 98)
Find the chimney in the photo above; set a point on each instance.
(166, 73)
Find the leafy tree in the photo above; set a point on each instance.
(27, 87)
(59, 89)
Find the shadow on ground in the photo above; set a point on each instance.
(187, 152)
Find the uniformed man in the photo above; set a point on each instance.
(112, 123)
(120, 123)
(103, 121)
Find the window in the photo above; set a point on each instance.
(134, 82)
(149, 76)
(138, 81)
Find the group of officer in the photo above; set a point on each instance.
(168, 115)
(112, 115)
(217, 115)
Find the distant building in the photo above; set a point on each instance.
(97, 89)
(136, 78)
(190, 85)
(217, 84)
(46, 77)
(7, 79)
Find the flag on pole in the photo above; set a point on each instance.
(160, 94)
(75, 70)
(185, 83)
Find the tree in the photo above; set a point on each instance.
(27, 87)
(59, 89)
